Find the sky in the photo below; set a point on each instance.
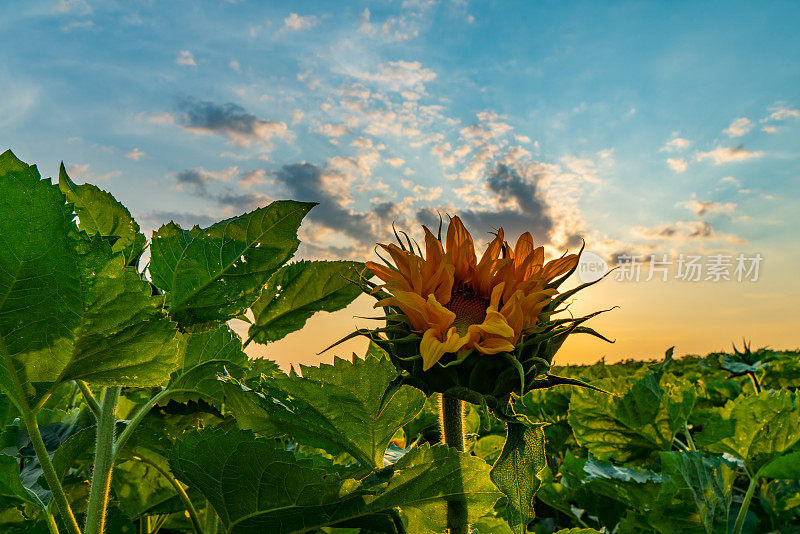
(657, 132)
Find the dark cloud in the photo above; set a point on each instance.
(196, 179)
(230, 120)
(305, 183)
(532, 214)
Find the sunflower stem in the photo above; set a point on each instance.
(451, 421)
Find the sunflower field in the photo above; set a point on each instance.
(128, 404)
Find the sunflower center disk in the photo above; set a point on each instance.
(469, 309)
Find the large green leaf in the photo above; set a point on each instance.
(516, 472)
(297, 291)
(696, 496)
(643, 416)
(214, 274)
(70, 308)
(208, 355)
(335, 407)
(99, 212)
(754, 428)
(256, 487)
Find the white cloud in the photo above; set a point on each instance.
(185, 57)
(727, 154)
(295, 22)
(682, 231)
(738, 127)
(161, 118)
(769, 129)
(297, 116)
(77, 169)
(677, 164)
(783, 113)
(730, 180)
(701, 208)
(135, 154)
(583, 167)
(399, 75)
(395, 162)
(235, 65)
(366, 26)
(678, 143)
(522, 138)
(333, 130)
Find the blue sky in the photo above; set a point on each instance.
(642, 127)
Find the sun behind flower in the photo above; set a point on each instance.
(460, 304)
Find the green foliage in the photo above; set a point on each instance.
(214, 274)
(297, 291)
(100, 213)
(336, 407)
(516, 472)
(642, 417)
(681, 445)
(257, 487)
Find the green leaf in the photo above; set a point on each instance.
(11, 486)
(335, 407)
(577, 531)
(216, 273)
(99, 212)
(643, 418)
(516, 472)
(785, 467)
(697, 495)
(256, 487)
(297, 291)
(207, 356)
(754, 428)
(70, 307)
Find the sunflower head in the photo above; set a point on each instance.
(476, 329)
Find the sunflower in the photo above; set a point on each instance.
(459, 304)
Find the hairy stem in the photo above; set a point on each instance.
(737, 527)
(89, 398)
(452, 426)
(187, 503)
(103, 462)
(50, 474)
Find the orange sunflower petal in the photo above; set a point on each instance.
(432, 348)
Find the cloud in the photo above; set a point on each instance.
(701, 208)
(308, 182)
(399, 75)
(739, 127)
(229, 120)
(677, 164)
(198, 179)
(769, 129)
(395, 162)
(334, 130)
(678, 143)
(782, 113)
(685, 231)
(135, 154)
(233, 64)
(253, 177)
(366, 26)
(523, 205)
(185, 57)
(295, 22)
(161, 118)
(727, 154)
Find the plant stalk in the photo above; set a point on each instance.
(50, 473)
(451, 421)
(89, 398)
(737, 527)
(756, 383)
(211, 520)
(187, 503)
(103, 462)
